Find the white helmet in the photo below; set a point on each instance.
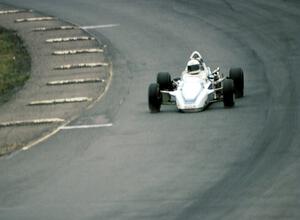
(193, 67)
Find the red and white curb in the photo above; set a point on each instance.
(80, 65)
(6, 12)
(77, 51)
(31, 122)
(60, 101)
(75, 81)
(21, 20)
(67, 39)
(54, 28)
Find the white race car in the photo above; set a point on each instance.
(196, 88)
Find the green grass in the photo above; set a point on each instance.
(14, 63)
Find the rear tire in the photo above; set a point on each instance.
(164, 81)
(237, 75)
(228, 93)
(154, 98)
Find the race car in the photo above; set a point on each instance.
(197, 87)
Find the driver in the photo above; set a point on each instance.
(197, 56)
(196, 67)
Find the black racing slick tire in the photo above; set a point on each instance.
(164, 81)
(154, 98)
(228, 93)
(237, 75)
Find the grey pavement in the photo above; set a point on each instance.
(239, 163)
(36, 89)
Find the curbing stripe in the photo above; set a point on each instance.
(77, 51)
(75, 81)
(66, 39)
(5, 12)
(31, 122)
(55, 28)
(60, 101)
(21, 20)
(80, 65)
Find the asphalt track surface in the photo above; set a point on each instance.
(239, 163)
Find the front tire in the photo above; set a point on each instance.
(237, 75)
(154, 98)
(164, 81)
(228, 93)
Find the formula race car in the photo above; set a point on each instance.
(196, 88)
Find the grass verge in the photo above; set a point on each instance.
(15, 64)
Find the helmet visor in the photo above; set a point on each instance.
(193, 68)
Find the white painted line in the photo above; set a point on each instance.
(66, 39)
(5, 12)
(77, 51)
(20, 20)
(80, 65)
(99, 26)
(86, 126)
(60, 101)
(30, 145)
(74, 81)
(31, 122)
(55, 28)
(34, 143)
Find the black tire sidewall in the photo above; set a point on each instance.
(237, 75)
(154, 97)
(228, 93)
(164, 80)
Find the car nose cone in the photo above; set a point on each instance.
(190, 91)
